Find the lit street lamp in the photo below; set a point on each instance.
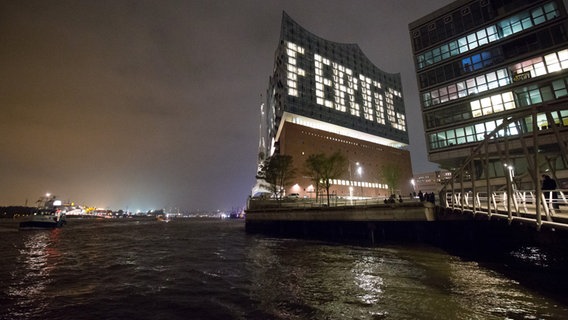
(359, 171)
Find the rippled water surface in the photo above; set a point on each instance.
(211, 269)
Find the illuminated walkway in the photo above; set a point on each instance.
(523, 205)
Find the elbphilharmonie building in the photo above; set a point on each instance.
(325, 96)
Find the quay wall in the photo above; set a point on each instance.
(459, 233)
(343, 224)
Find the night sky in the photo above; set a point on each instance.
(155, 104)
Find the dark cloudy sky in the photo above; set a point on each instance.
(155, 104)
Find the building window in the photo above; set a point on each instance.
(504, 28)
(532, 68)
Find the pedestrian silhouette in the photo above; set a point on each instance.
(549, 184)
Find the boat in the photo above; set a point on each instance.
(164, 217)
(48, 215)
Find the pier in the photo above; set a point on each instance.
(453, 225)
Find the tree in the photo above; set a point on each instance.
(277, 171)
(328, 168)
(313, 168)
(391, 174)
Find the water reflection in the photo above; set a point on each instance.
(366, 276)
(296, 279)
(533, 255)
(494, 295)
(38, 257)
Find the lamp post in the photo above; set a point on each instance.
(360, 172)
(510, 188)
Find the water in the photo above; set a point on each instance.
(211, 269)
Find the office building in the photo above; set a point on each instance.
(495, 70)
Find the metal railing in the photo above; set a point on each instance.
(550, 209)
(260, 203)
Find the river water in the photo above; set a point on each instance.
(212, 269)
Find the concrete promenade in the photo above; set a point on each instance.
(411, 211)
(367, 222)
(373, 223)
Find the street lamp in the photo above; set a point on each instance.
(310, 190)
(360, 172)
(511, 172)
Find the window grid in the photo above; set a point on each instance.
(502, 29)
(526, 96)
(537, 67)
(462, 89)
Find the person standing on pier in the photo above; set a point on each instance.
(549, 184)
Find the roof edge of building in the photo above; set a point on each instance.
(324, 126)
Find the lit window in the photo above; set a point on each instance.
(486, 107)
(563, 57)
(292, 75)
(444, 95)
(475, 108)
(471, 87)
(462, 42)
(462, 91)
(452, 92)
(497, 103)
(539, 68)
(481, 83)
(492, 82)
(482, 37)
(512, 128)
(552, 63)
(522, 21)
(490, 126)
(480, 131)
(492, 34)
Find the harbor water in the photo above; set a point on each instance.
(212, 269)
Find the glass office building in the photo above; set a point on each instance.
(330, 91)
(480, 64)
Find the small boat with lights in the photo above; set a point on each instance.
(166, 217)
(48, 215)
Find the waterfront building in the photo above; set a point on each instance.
(495, 70)
(325, 96)
(429, 182)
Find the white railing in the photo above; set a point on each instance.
(522, 205)
(259, 203)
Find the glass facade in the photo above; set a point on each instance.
(334, 83)
(480, 62)
(506, 27)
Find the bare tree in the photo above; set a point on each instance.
(313, 168)
(390, 173)
(277, 171)
(333, 167)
